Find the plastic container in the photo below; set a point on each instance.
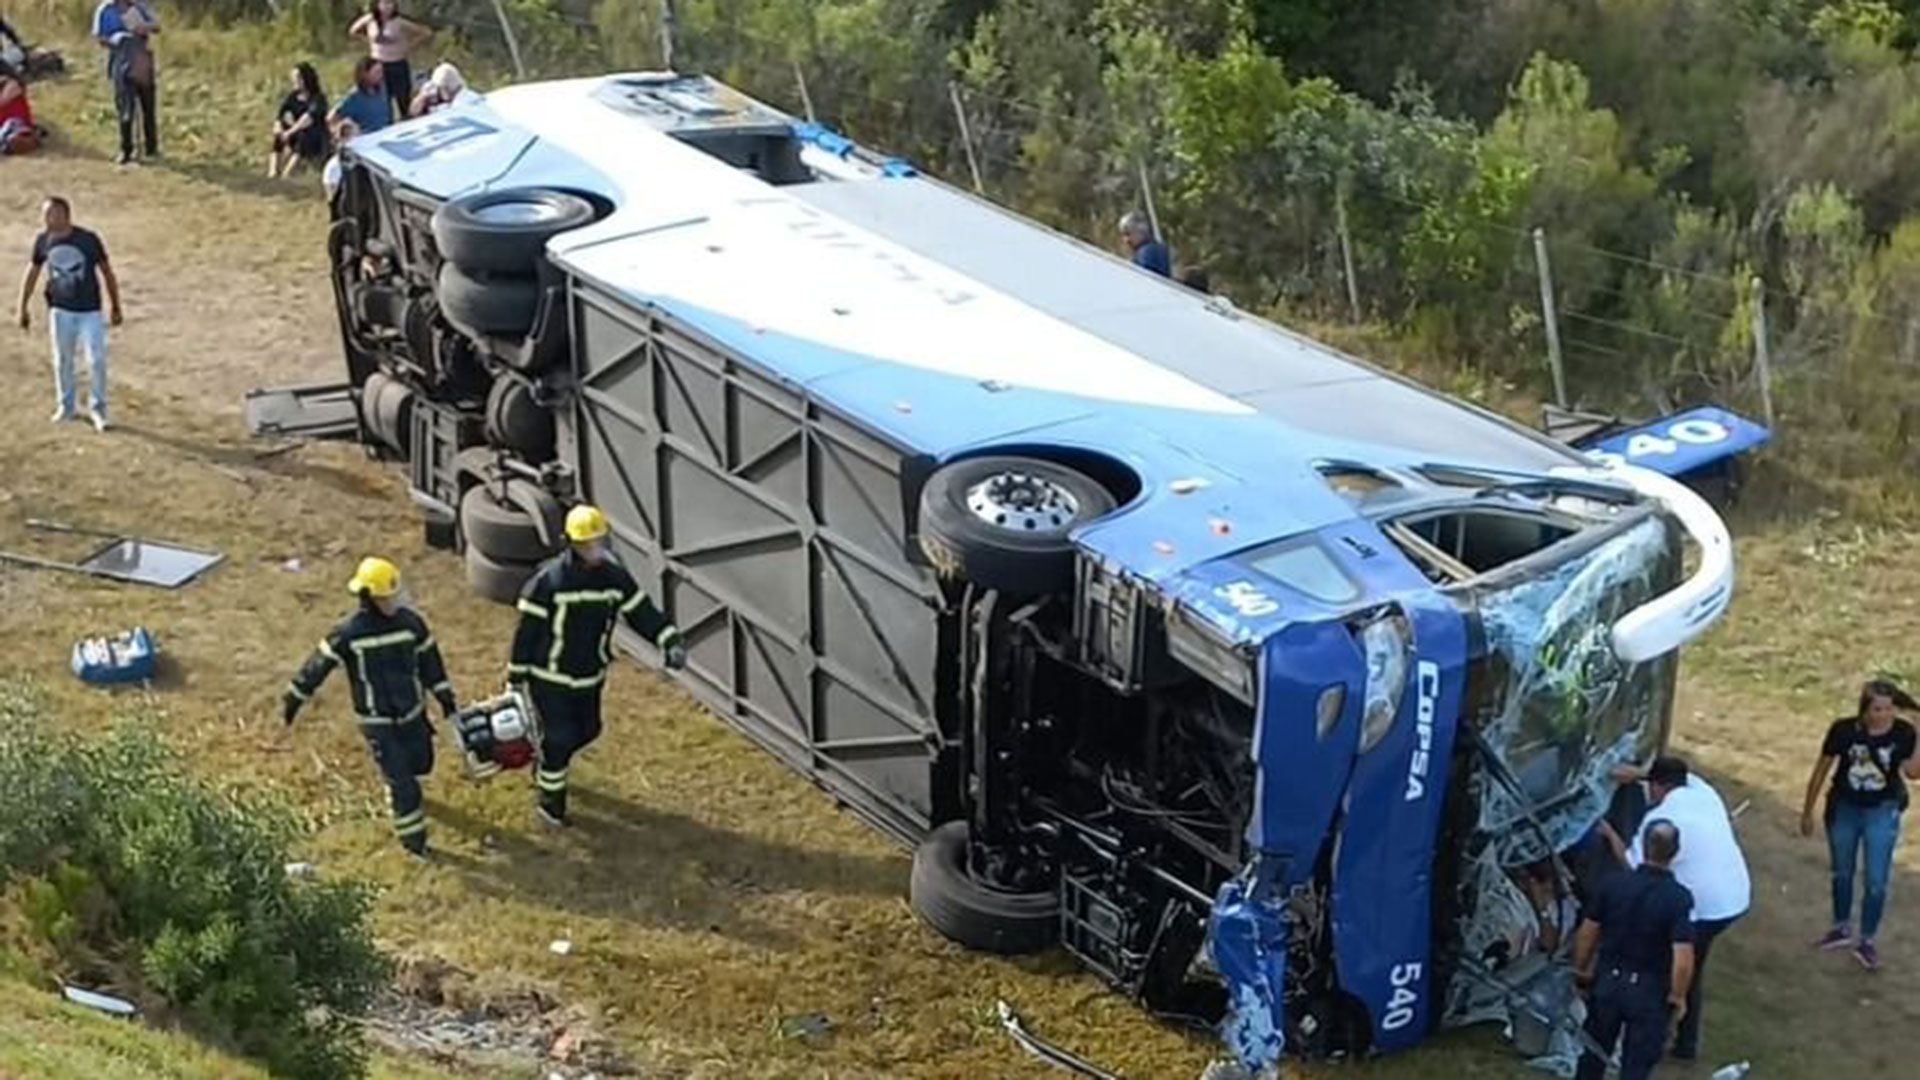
(128, 657)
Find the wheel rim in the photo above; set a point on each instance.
(517, 212)
(1022, 502)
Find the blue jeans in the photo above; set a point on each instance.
(1849, 828)
(72, 329)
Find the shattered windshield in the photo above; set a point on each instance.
(1554, 704)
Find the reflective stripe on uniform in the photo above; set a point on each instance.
(409, 824)
(384, 721)
(443, 684)
(668, 636)
(550, 781)
(560, 678)
(294, 689)
(326, 650)
(528, 607)
(425, 645)
(639, 597)
(381, 641)
(563, 601)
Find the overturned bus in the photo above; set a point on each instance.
(1251, 675)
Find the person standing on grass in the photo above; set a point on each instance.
(75, 263)
(1874, 749)
(1144, 248)
(1712, 867)
(1641, 925)
(125, 29)
(391, 38)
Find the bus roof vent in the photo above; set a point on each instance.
(1357, 482)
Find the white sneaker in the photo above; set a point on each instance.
(99, 419)
(61, 416)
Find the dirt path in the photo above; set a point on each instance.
(708, 893)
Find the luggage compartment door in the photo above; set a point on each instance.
(774, 533)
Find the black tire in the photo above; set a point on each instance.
(506, 232)
(497, 580)
(504, 530)
(490, 305)
(440, 533)
(944, 894)
(1029, 556)
(518, 422)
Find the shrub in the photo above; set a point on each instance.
(131, 872)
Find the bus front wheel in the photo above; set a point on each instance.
(1005, 522)
(944, 891)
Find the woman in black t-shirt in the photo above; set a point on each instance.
(1874, 753)
(300, 128)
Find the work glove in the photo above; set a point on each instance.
(289, 708)
(676, 656)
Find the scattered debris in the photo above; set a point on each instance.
(1047, 1052)
(442, 1011)
(806, 1025)
(102, 1002)
(561, 947)
(300, 869)
(129, 559)
(291, 566)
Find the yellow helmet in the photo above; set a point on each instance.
(586, 524)
(375, 576)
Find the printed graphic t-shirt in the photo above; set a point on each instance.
(72, 264)
(1868, 772)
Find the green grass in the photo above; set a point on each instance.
(709, 891)
(43, 1037)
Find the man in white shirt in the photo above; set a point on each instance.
(1710, 865)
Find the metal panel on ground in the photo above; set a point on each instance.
(774, 533)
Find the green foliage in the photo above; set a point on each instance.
(134, 875)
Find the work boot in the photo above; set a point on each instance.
(552, 817)
(415, 846)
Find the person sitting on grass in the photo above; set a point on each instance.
(441, 89)
(366, 104)
(300, 129)
(18, 133)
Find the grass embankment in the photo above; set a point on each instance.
(42, 1037)
(708, 892)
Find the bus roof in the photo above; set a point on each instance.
(949, 324)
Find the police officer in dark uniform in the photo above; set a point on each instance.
(1643, 924)
(568, 612)
(390, 655)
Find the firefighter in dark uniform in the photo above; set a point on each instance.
(392, 662)
(568, 612)
(1643, 924)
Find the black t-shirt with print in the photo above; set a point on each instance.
(1868, 772)
(72, 264)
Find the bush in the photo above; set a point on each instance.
(130, 873)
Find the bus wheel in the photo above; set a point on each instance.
(944, 892)
(1003, 522)
(487, 305)
(494, 579)
(506, 232)
(505, 529)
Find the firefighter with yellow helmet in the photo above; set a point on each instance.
(568, 612)
(392, 663)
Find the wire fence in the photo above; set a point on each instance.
(1599, 326)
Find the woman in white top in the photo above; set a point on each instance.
(391, 38)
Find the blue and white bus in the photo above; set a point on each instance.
(1261, 680)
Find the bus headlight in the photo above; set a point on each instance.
(1387, 645)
